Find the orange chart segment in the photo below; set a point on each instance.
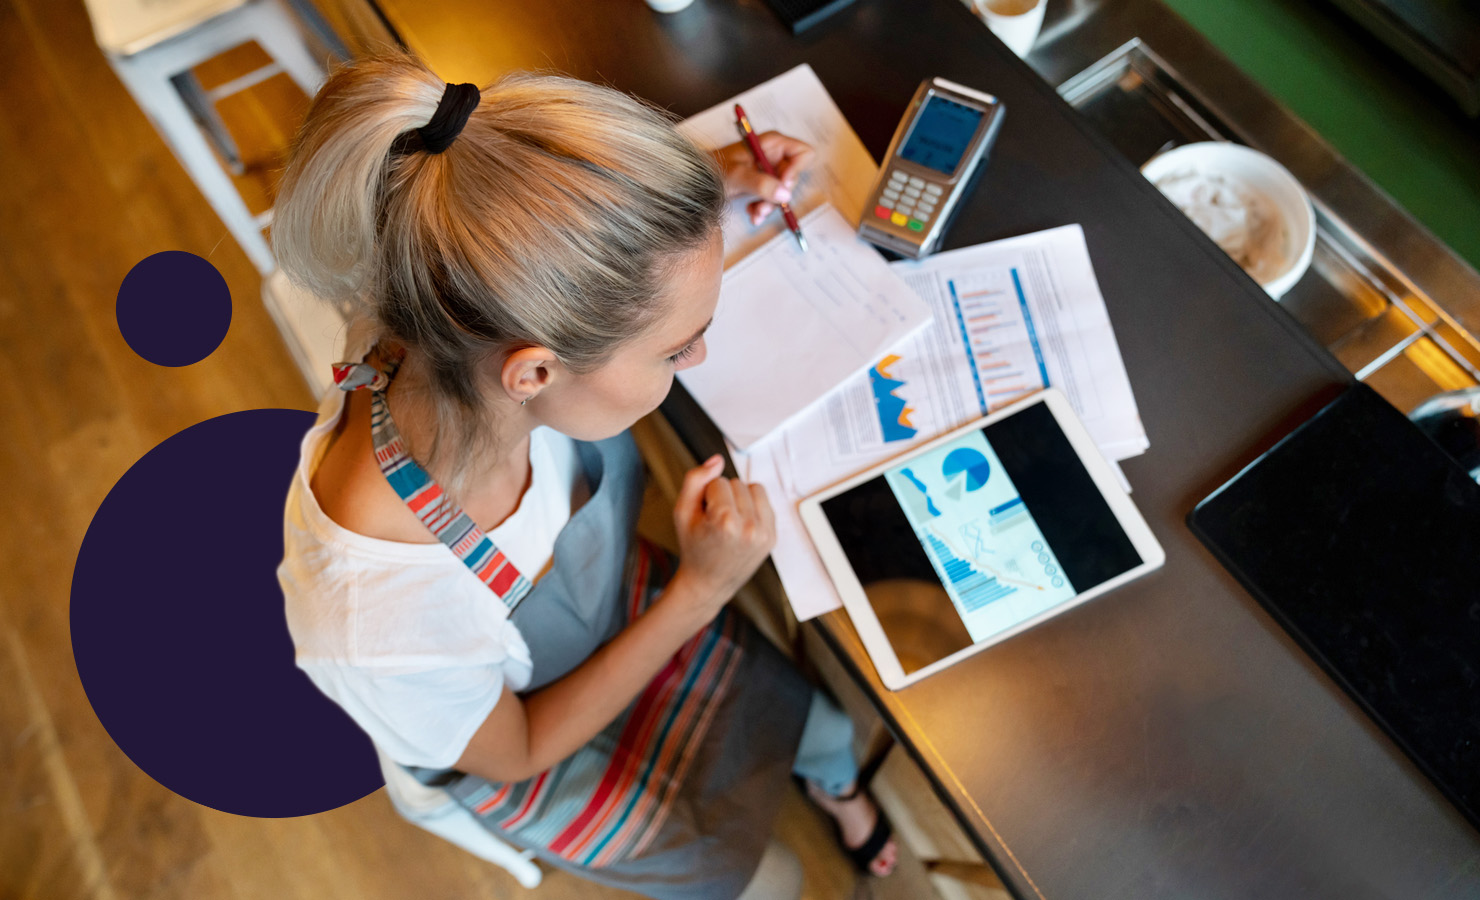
(893, 413)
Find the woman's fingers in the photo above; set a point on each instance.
(789, 156)
(718, 495)
(744, 503)
(750, 181)
(790, 172)
(745, 178)
(747, 502)
(692, 492)
(759, 209)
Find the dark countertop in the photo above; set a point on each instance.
(1167, 739)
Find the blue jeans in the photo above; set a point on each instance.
(825, 754)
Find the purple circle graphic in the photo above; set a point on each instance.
(173, 308)
(179, 633)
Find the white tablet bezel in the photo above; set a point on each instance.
(851, 591)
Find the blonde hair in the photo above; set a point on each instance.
(550, 220)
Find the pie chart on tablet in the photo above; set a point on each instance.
(968, 465)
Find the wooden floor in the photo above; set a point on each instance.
(88, 190)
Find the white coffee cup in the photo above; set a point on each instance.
(668, 6)
(1015, 22)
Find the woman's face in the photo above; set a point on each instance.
(608, 400)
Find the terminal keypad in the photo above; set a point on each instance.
(908, 201)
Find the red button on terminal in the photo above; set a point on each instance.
(882, 212)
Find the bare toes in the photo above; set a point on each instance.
(888, 858)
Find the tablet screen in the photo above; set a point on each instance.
(962, 542)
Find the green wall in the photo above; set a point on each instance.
(1380, 113)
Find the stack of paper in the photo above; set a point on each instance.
(792, 326)
(1005, 319)
(1011, 318)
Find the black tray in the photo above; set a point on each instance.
(1362, 538)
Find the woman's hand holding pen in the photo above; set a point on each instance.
(743, 178)
(725, 531)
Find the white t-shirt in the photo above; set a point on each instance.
(404, 636)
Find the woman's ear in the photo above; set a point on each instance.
(528, 371)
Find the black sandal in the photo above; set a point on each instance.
(864, 854)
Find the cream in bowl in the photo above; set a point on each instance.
(1250, 206)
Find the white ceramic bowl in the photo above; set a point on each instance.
(1263, 177)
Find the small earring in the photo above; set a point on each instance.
(524, 401)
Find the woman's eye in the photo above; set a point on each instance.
(683, 354)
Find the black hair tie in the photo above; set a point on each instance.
(457, 103)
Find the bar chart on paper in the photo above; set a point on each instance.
(998, 330)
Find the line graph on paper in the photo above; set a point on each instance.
(999, 334)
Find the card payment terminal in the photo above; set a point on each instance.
(939, 145)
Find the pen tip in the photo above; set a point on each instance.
(802, 242)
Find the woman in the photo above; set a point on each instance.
(530, 265)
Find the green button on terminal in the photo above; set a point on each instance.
(916, 225)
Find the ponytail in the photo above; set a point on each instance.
(548, 221)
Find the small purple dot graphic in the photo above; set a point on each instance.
(179, 631)
(173, 308)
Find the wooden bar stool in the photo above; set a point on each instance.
(153, 44)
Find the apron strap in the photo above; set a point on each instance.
(425, 497)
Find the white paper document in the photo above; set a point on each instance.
(796, 104)
(1010, 318)
(792, 326)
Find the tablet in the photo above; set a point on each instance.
(976, 536)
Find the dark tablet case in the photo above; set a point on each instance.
(1362, 538)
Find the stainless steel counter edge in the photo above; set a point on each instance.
(1077, 33)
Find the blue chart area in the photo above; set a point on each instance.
(929, 504)
(893, 412)
(974, 589)
(979, 535)
(969, 463)
(1008, 514)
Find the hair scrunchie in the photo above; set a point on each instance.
(457, 103)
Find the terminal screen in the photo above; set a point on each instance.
(942, 132)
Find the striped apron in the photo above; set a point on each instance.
(675, 797)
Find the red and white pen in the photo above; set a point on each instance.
(765, 165)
